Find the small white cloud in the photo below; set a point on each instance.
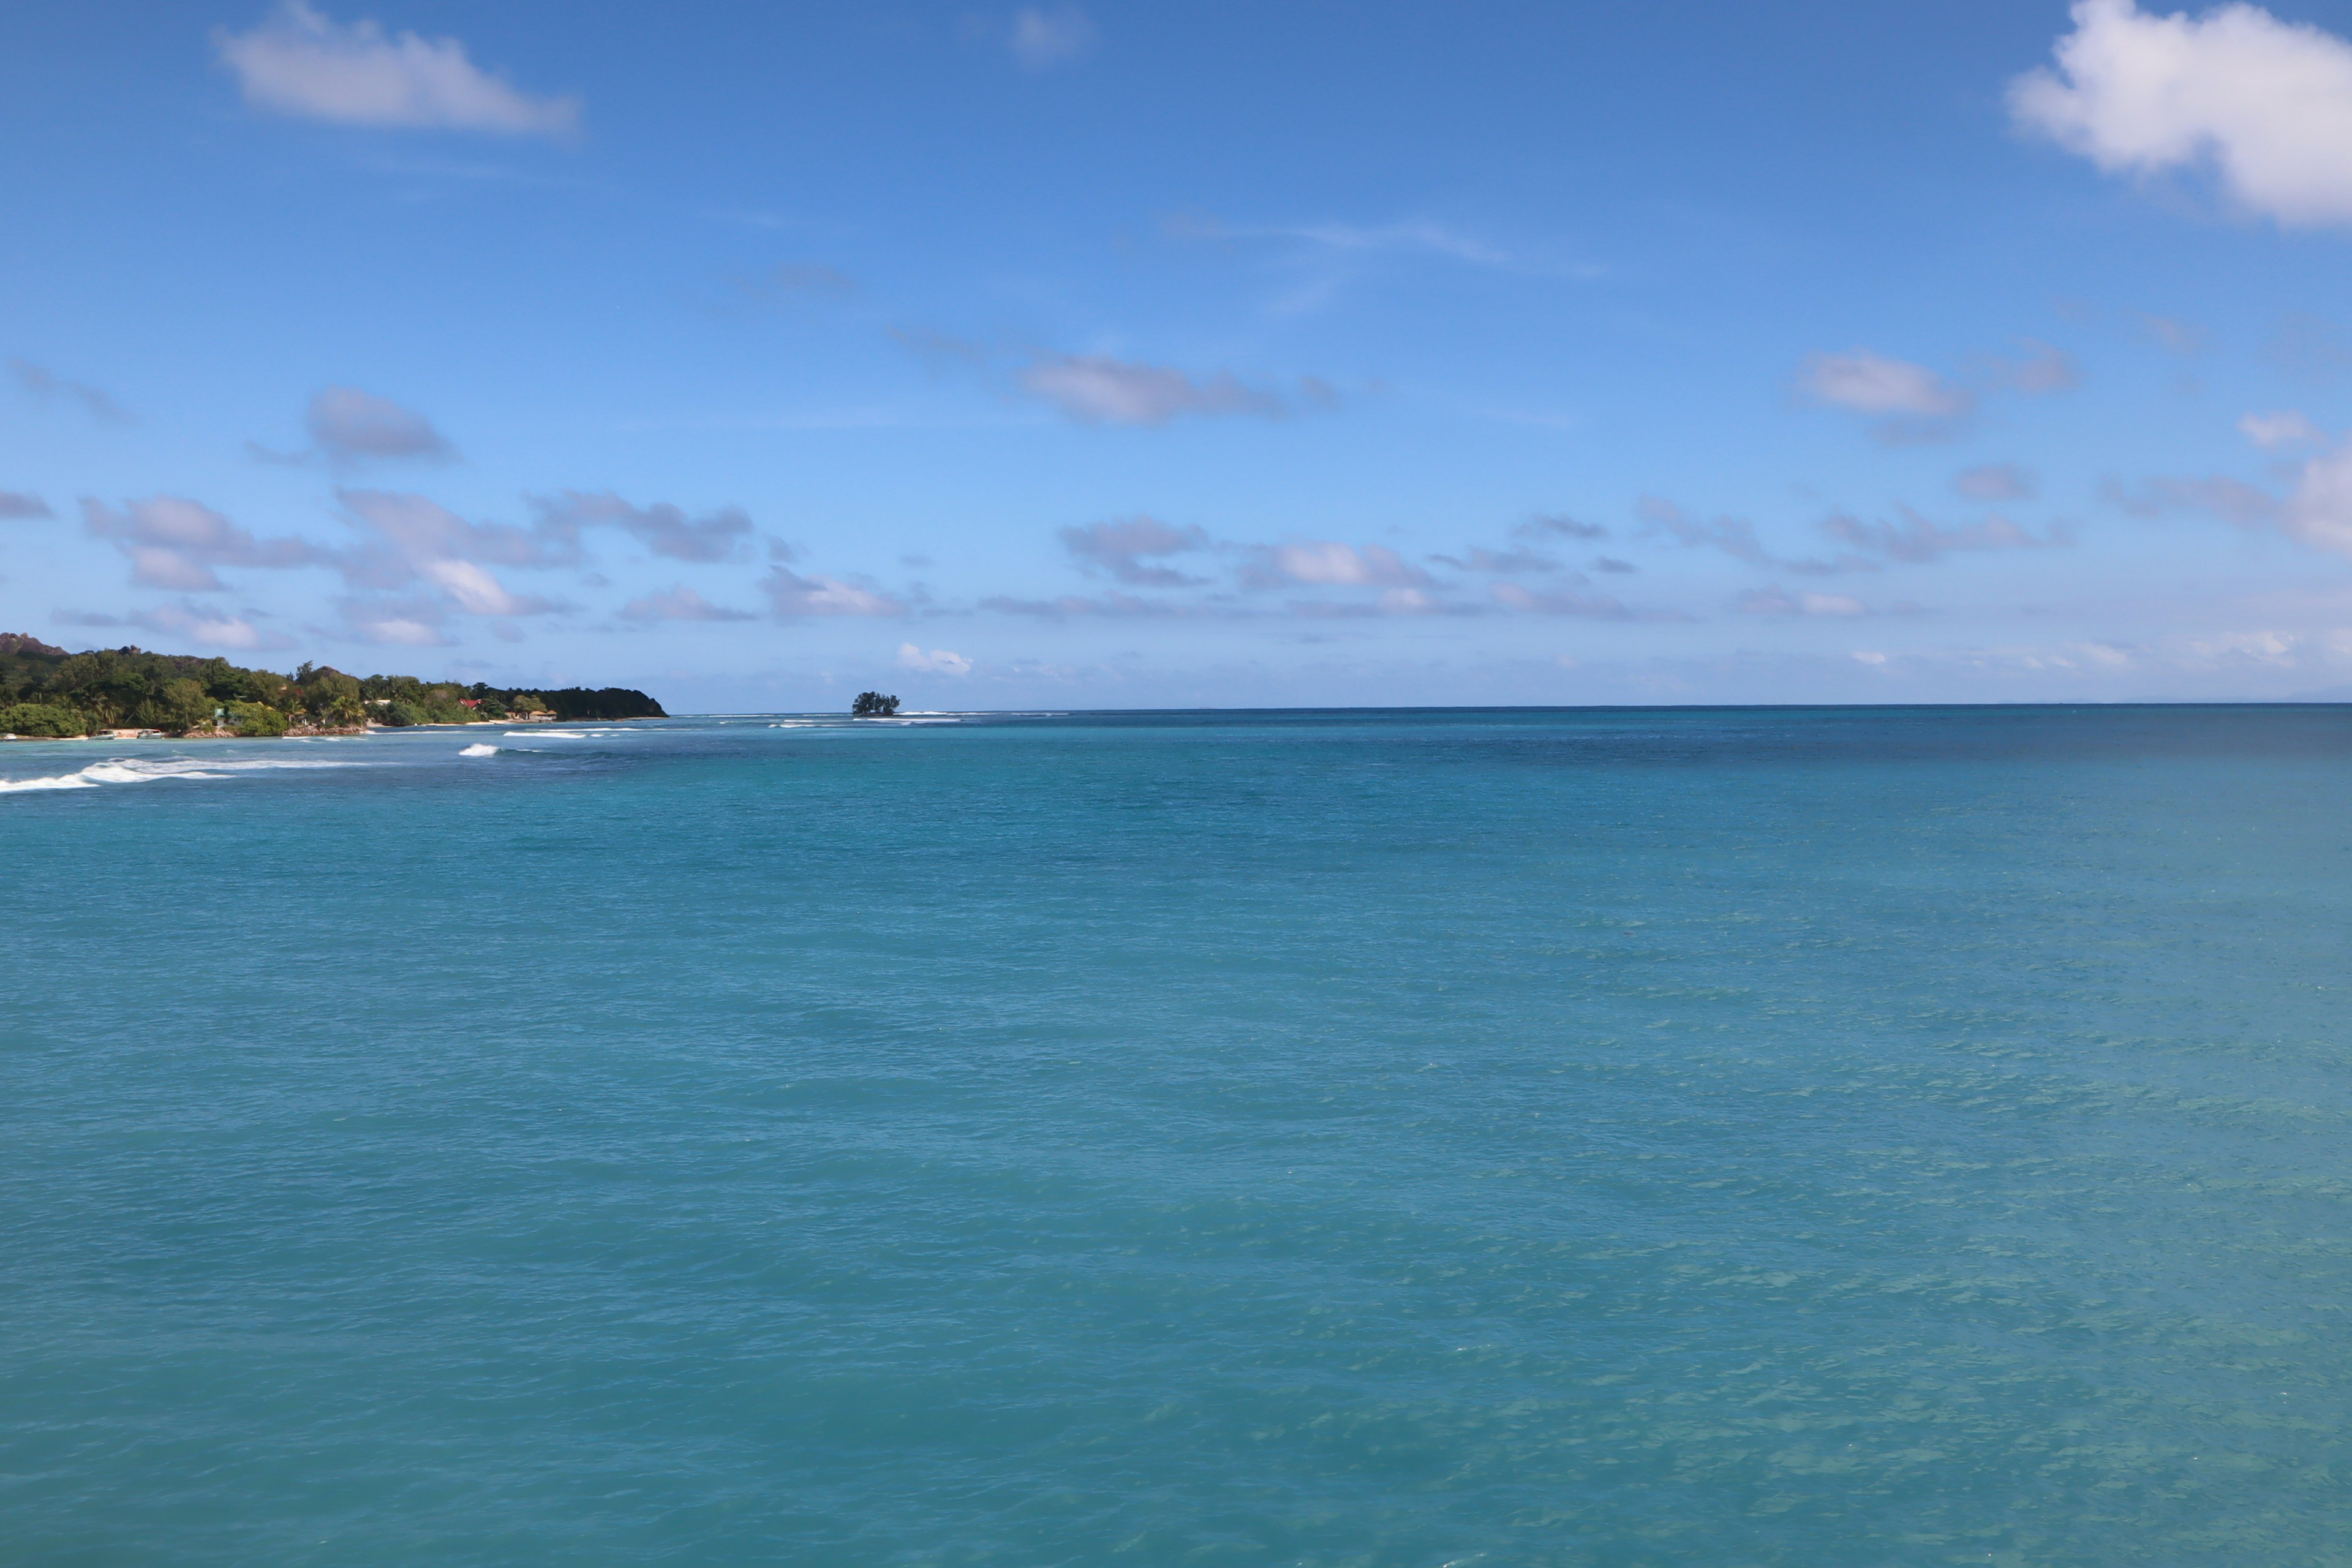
(2319, 512)
(1779, 601)
(478, 593)
(793, 595)
(2266, 104)
(939, 661)
(1045, 37)
(681, 604)
(303, 63)
(1329, 562)
(1097, 390)
(1866, 382)
(347, 425)
(2286, 429)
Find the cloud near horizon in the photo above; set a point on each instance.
(303, 63)
(2265, 104)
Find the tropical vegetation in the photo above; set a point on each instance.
(47, 691)
(873, 705)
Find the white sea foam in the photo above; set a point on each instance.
(143, 770)
(479, 749)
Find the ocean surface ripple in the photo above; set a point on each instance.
(1748, 1137)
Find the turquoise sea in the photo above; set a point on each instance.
(1806, 1138)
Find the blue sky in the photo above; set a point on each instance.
(1140, 355)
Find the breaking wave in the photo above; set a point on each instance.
(119, 772)
(479, 750)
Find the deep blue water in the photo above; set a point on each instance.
(1775, 1137)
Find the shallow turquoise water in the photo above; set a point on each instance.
(1592, 1138)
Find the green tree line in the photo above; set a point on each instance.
(47, 691)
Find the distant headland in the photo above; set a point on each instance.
(49, 693)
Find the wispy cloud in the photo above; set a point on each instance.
(348, 427)
(1778, 601)
(1329, 564)
(174, 542)
(1118, 548)
(301, 62)
(794, 596)
(937, 661)
(1559, 525)
(2266, 105)
(1113, 605)
(680, 602)
(2286, 429)
(1910, 403)
(1095, 389)
(16, 505)
(1917, 540)
(1043, 37)
(417, 538)
(47, 385)
(1735, 537)
(666, 530)
(1994, 482)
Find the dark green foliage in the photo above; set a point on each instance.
(874, 705)
(575, 702)
(43, 718)
(121, 688)
(256, 719)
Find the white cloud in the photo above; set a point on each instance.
(476, 591)
(1598, 606)
(2319, 512)
(1118, 546)
(939, 661)
(2266, 104)
(1043, 38)
(2043, 369)
(303, 63)
(175, 542)
(792, 595)
(2286, 429)
(347, 423)
(1096, 390)
(45, 384)
(1866, 383)
(1918, 539)
(208, 628)
(1336, 565)
(1994, 481)
(419, 528)
(680, 604)
(721, 535)
(404, 622)
(1779, 601)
